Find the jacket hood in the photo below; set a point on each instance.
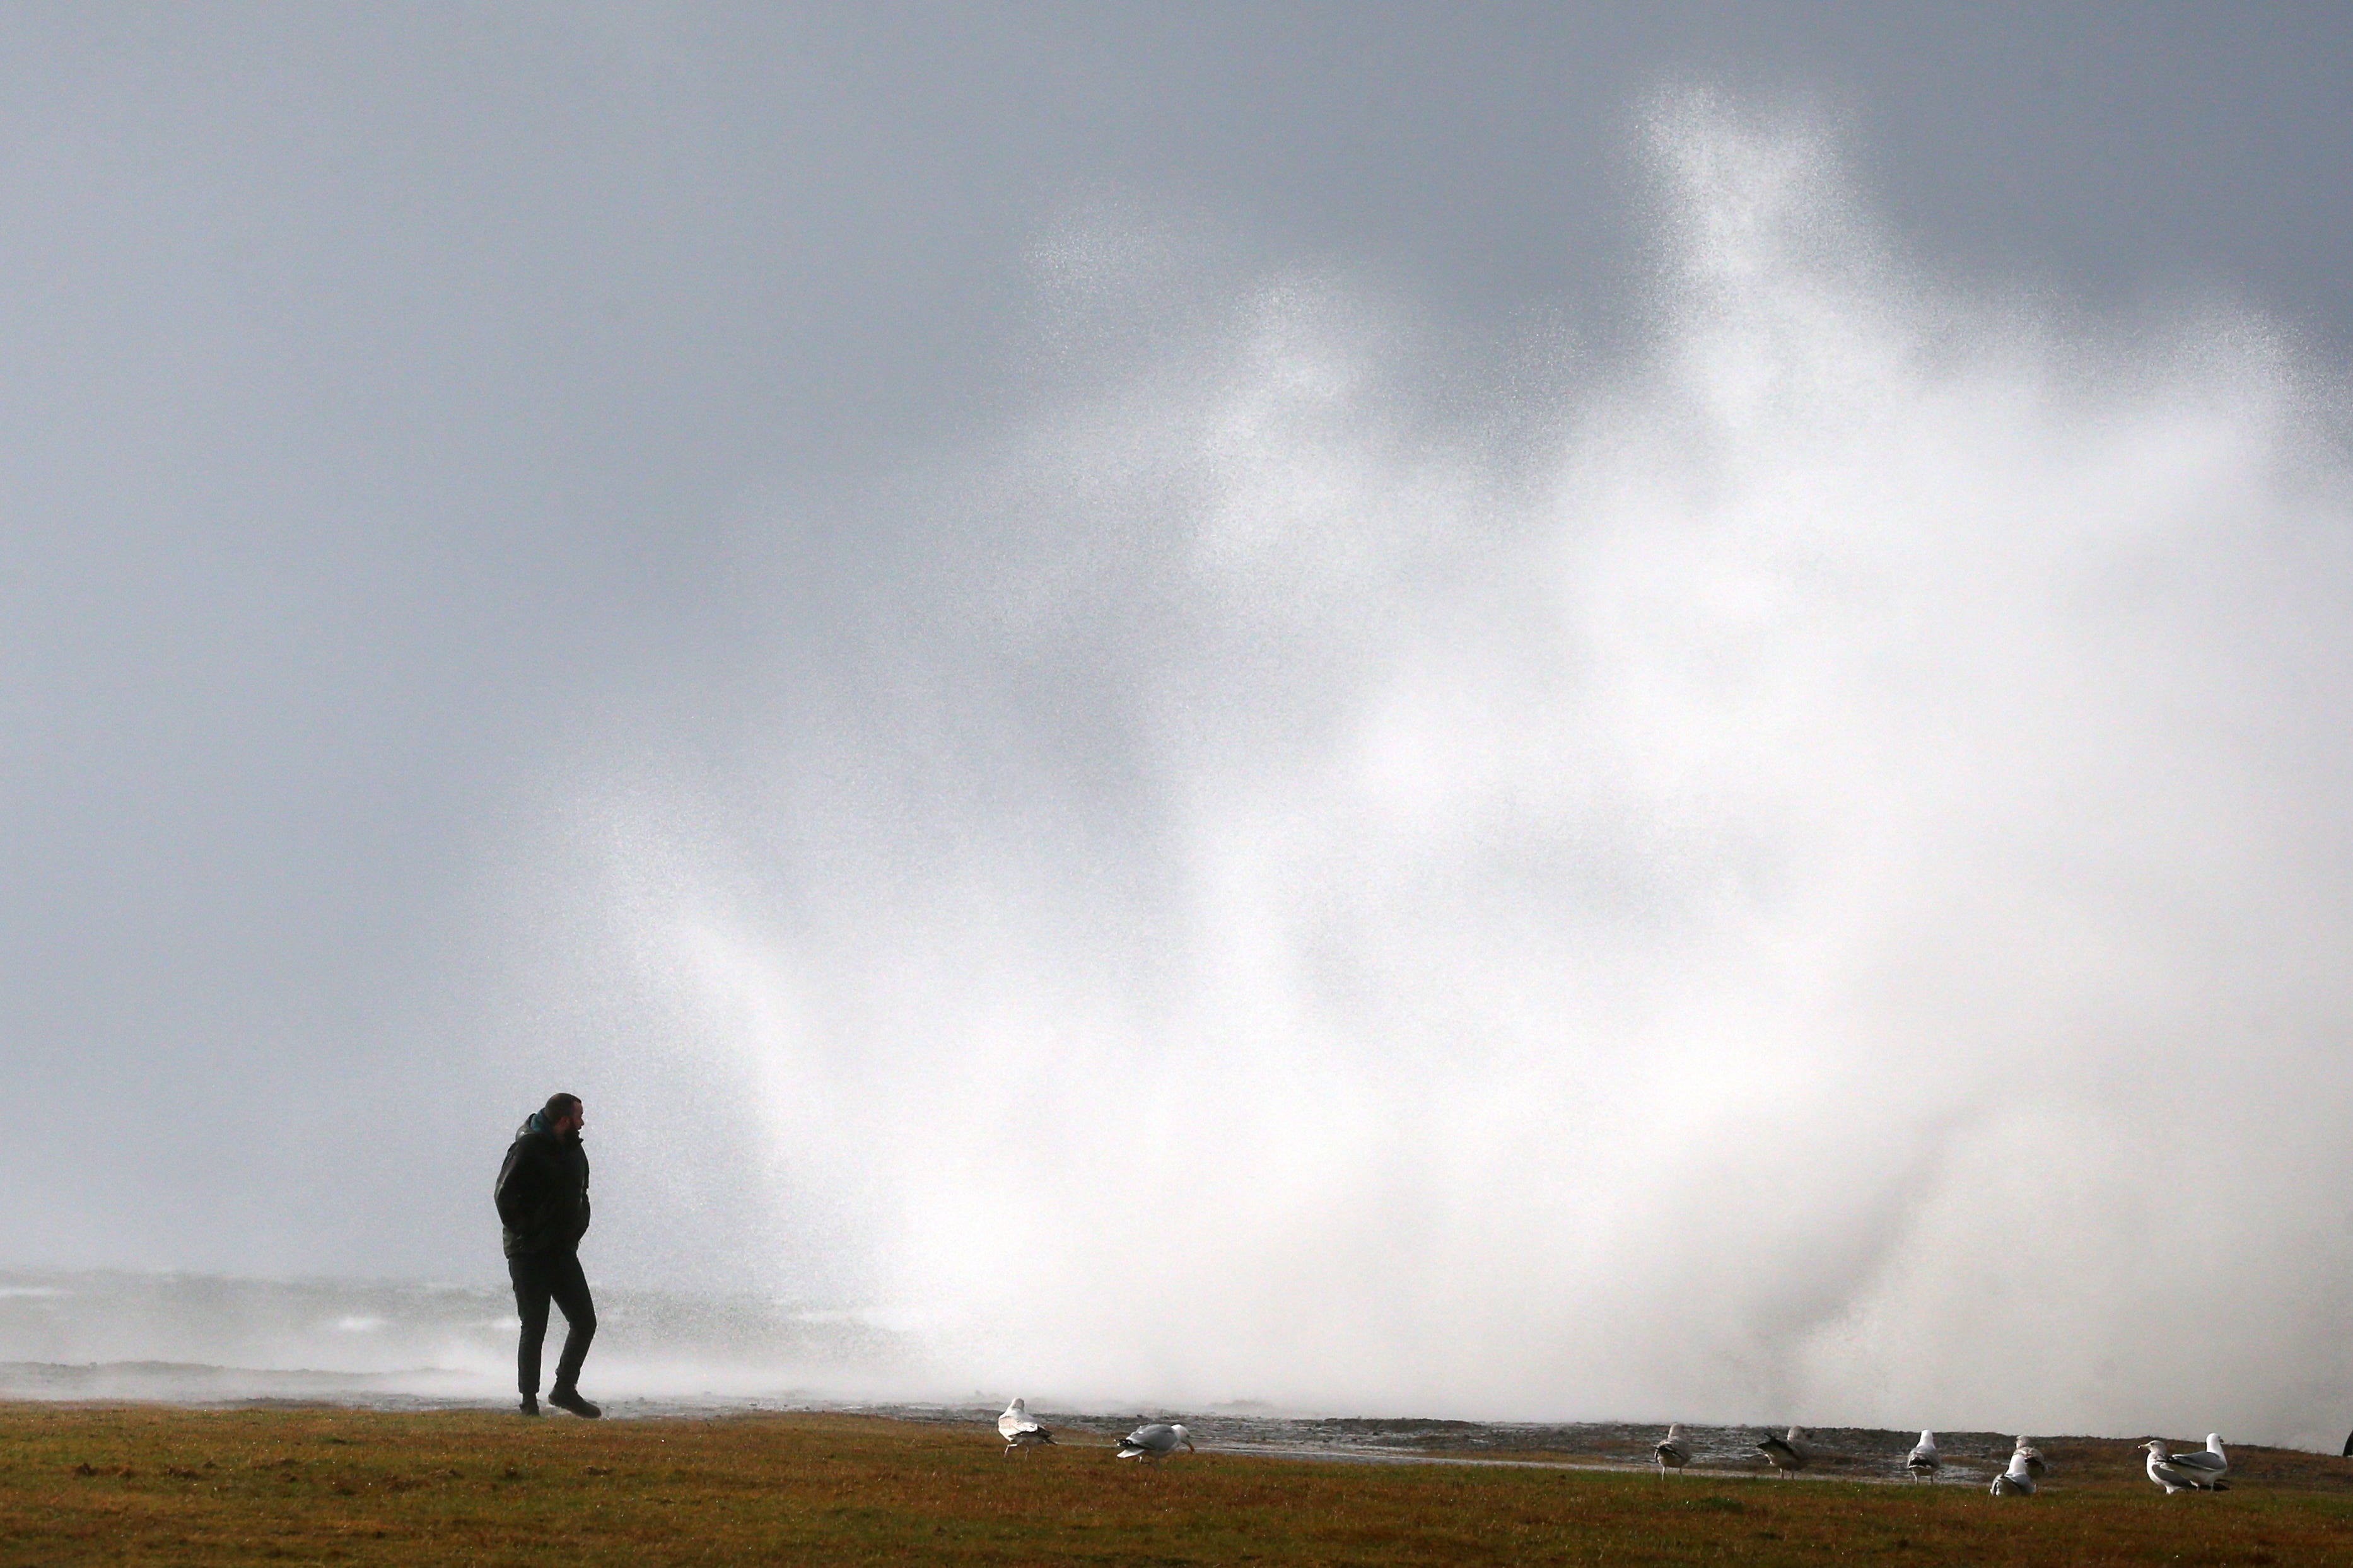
(537, 1122)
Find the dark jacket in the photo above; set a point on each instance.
(543, 1191)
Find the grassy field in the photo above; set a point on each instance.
(159, 1486)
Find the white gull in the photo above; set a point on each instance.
(2208, 1466)
(1154, 1442)
(1787, 1453)
(1020, 1430)
(2015, 1481)
(2183, 1472)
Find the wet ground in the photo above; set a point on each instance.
(1850, 1453)
(1837, 1453)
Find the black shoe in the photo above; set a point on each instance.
(569, 1399)
(531, 1404)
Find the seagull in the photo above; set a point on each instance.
(2036, 1465)
(1787, 1453)
(2017, 1481)
(1020, 1430)
(1672, 1451)
(2185, 1472)
(1154, 1442)
(2206, 1465)
(1923, 1460)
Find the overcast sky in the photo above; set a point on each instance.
(409, 410)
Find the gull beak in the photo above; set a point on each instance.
(1188, 1447)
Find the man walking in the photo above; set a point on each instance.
(542, 1197)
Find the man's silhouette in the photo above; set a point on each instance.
(542, 1197)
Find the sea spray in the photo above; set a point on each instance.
(1796, 872)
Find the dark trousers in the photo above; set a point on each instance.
(541, 1277)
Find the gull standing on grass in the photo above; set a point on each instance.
(1923, 1460)
(1154, 1442)
(1787, 1453)
(1672, 1451)
(2200, 1470)
(1020, 1430)
(2015, 1481)
(2036, 1465)
(2208, 1466)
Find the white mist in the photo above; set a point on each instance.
(1800, 874)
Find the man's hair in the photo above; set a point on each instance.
(559, 1106)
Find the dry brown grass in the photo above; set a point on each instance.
(157, 1486)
